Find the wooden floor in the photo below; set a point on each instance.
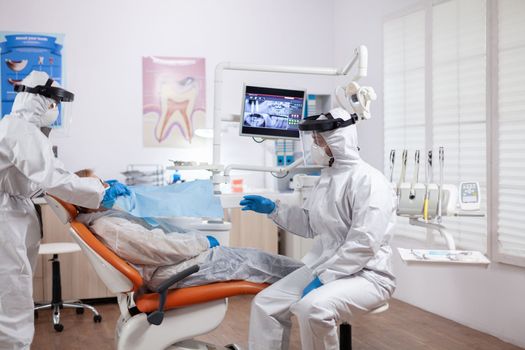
(402, 327)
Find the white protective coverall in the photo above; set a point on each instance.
(27, 164)
(160, 252)
(350, 213)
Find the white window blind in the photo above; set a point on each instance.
(404, 95)
(511, 130)
(458, 114)
(459, 106)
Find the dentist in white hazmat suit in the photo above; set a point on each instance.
(350, 213)
(28, 166)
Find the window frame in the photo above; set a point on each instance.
(493, 132)
(491, 117)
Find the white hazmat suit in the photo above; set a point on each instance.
(350, 213)
(27, 165)
(160, 252)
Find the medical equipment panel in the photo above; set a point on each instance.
(272, 113)
(425, 204)
(469, 196)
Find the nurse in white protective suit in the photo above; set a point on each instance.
(350, 213)
(28, 166)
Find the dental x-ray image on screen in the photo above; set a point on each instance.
(272, 113)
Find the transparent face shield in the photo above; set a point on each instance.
(58, 115)
(314, 145)
(315, 149)
(64, 116)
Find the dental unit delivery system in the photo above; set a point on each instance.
(354, 98)
(426, 204)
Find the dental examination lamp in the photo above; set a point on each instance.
(355, 99)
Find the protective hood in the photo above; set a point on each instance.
(342, 141)
(33, 107)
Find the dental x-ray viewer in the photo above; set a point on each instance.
(350, 213)
(28, 166)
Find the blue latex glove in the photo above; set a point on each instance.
(257, 203)
(115, 190)
(213, 241)
(316, 283)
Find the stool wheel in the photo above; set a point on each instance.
(58, 327)
(97, 318)
(79, 311)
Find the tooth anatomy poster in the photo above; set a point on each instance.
(174, 101)
(21, 53)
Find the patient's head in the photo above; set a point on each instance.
(88, 173)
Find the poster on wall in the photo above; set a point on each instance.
(21, 53)
(174, 101)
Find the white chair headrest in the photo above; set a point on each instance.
(62, 213)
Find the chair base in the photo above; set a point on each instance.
(345, 336)
(75, 304)
(177, 330)
(345, 328)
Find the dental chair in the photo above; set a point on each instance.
(165, 319)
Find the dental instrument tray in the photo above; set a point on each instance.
(411, 256)
(190, 165)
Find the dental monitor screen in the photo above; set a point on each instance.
(272, 113)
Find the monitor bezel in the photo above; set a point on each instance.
(271, 133)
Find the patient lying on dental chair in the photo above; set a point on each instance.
(160, 249)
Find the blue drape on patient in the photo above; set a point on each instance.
(194, 199)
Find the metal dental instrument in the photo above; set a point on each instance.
(415, 178)
(403, 171)
(440, 192)
(392, 161)
(428, 179)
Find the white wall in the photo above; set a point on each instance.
(104, 44)
(490, 300)
(106, 40)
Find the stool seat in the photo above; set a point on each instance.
(379, 309)
(57, 303)
(58, 248)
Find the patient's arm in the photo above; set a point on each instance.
(138, 245)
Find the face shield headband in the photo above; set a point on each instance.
(52, 92)
(330, 123)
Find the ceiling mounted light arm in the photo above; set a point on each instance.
(360, 56)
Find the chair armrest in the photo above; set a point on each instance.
(156, 317)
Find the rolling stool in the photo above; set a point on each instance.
(56, 303)
(345, 329)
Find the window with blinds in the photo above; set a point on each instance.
(404, 96)
(457, 115)
(457, 119)
(510, 241)
(459, 106)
